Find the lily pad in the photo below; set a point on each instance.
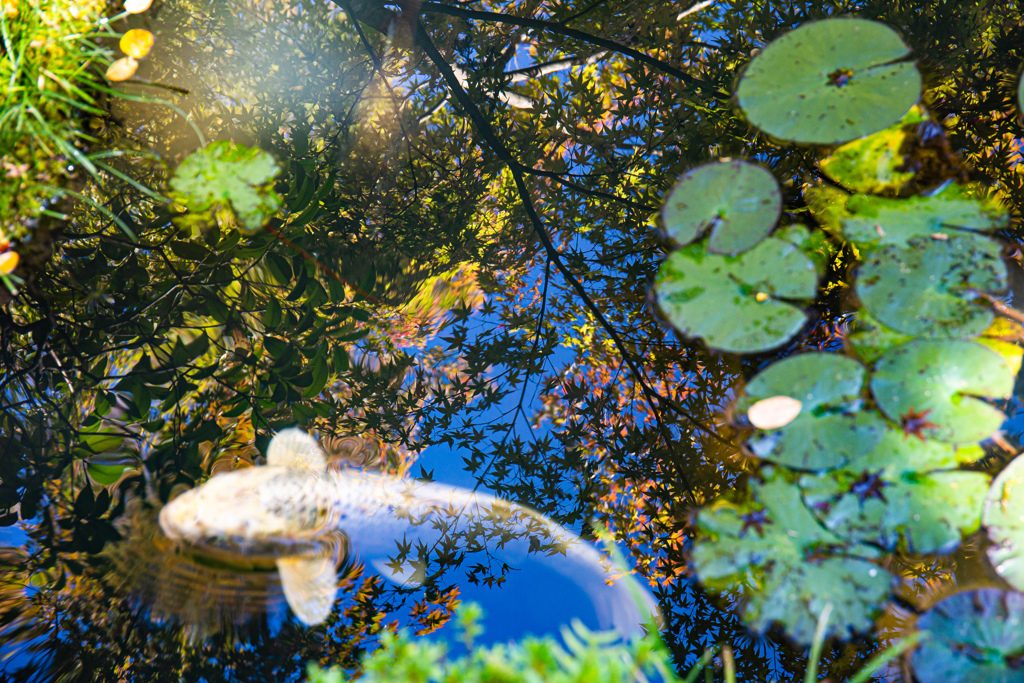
(830, 429)
(732, 302)
(796, 566)
(929, 287)
(869, 339)
(921, 513)
(1004, 337)
(813, 244)
(929, 387)
(1004, 519)
(738, 201)
(877, 221)
(830, 81)
(827, 205)
(975, 637)
(872, 164)
(899, 454)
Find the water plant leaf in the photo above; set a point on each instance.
(975, 637)
(876, 221)
(928, 288)
(1003, 517)
(1004, 337)
(830, 429)
(872, 164)
(136, 43)
(899, 454)
(934, 383)
(732, 302)
(829, 81)
(774, 412)
(814, 244)
(738, 201)
(796, 566)
(827, 205)
(226, 181)
(921, 513)
(869, 339)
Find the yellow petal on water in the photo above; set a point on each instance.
(774, 412)
(122, 69)
(8, 262)
(137, 6)
(761, 297)
(136, 43)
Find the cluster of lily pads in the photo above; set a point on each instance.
(861, 451)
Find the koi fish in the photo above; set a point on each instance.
(295, 505)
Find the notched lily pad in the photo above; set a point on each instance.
(899, 454)
(869, 339)
(1004, 519)
(929, 287)
(928, 387)
(975, 637)
(920, 513)
(830, 81)
(796, 566)
(878, 221)
(737, 201)
(830, 429)
(875, 164)
(733, 302)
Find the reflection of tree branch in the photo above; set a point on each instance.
(553, 27)
(484, 129)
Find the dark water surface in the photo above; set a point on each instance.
(415, 321)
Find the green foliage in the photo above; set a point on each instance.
(226, 183)
(829, 81)
(1003, 518)
(586, 657)
(789, 565)
(738, 202)
(875, 164)
(975, 637)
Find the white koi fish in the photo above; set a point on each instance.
(295, 504)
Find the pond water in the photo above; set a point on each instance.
(432, 369)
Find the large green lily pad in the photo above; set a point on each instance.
(899, 454)
(869, 339)
(922, 513)
(877, 221)
(829, 81)
(873, 164)
(733, 302)
(738, 201)
(929, 287)
(929, 387)
(793, 566)
(1004, 519)
(975, 637)
(830, 429)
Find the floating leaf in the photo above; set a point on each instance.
(974, 637)
(827, 205)
(813, 244)
(899, 454)
(872, 164)
(930, 385)
(732, 301)
(137, 6)
(929, 287)
(876, 221)
(8, 262)
(740, 202)
(1004, 519)
(797, 566)
(136, 43)
(774, 412)
(1004, 337)
(869, 339)
(225, 178)
(922, 513)
(829, 81)
(122, 69)
(830, 429)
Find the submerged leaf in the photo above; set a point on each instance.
(738, 201)
(872, 164)
(929, 287)
(869, 339)
(975, 637)
(831, 429)
(829, 81)
(797, 566)
(939, 379)
(732, 302)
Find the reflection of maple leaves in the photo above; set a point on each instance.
(756, 520)
(914, 422)
(869, 486)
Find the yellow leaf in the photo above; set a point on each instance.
(136, 43)
(137, 6)
(774, 412)
(122, 69)
(8, 262)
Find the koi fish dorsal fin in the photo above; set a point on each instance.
(310, 584)
(296, 449)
